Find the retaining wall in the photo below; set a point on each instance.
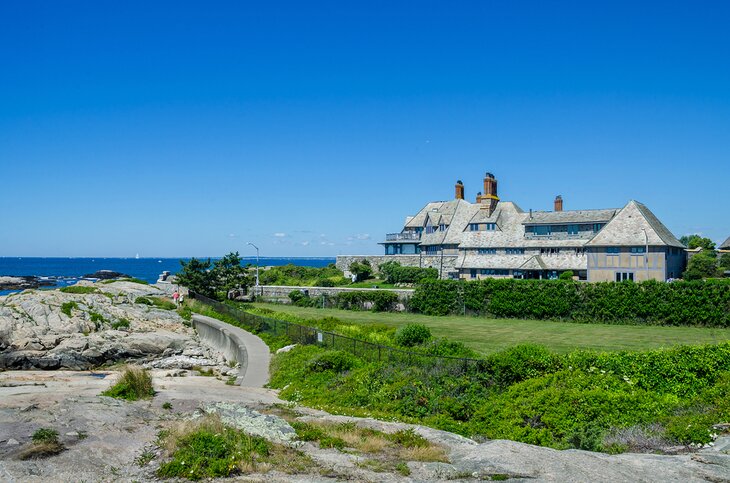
(445, 264)
(282, 292)
(216, 335)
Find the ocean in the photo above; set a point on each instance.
(67, 271)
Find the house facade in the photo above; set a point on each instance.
(495, 238)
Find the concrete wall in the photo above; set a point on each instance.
(422, 260)
(214, 334)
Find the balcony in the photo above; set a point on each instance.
(403, 236)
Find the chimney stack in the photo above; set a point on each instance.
(490, 186)
(479, 197)
(459, 190)
(558, 203)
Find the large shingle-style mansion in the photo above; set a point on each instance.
(494, 238)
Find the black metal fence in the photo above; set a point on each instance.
(302, 334)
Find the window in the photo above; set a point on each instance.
(490, 271)
(514, 251)
(624, 276)
(598, 226)
(542, 230)
(613, 250)
(491, 226)
(580, 251)
(442, 227)
(431, 249)
(572, 229)
(549, 251)
(487, 251)
(473, 273)
(638, 250)
(473, 226)
(430, 229)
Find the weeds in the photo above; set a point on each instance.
(67, 307)
(79, 289)
(44, 443)
(120, 324)
(135, 383)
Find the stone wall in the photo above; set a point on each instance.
(281, 292)
(423, 261)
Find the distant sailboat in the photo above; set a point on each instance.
(137, 256)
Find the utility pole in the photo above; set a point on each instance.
(646, 252)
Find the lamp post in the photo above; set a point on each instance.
(646, 252)
(257, 265)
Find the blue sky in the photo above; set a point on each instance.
(313, 128)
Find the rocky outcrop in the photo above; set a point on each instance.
(106, 275)
(52, 329)
(23, 283)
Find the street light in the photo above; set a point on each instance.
(257, 264)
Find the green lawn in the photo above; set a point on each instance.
(490, 335)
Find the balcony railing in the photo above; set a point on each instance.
(404, 236)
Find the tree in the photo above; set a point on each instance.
(229, 275)
(195, 275)
(702, 265)
(226, 275)
(696, 241)
(362, 270)
(567, 275)
(725, 261)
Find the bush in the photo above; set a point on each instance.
(393, 272)
(703, 303)
(156, 302)
(380, 300)
(412, 334)
(337, 361)
(134, 384)
(567, 275)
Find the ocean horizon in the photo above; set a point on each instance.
(63, 271)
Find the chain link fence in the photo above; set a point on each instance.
(368, 351)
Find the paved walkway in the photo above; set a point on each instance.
(256, 372)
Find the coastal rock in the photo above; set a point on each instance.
(106, 275)
(51, 329)
(24, 282)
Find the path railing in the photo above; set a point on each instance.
(369, 351)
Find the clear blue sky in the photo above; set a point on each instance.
(313, 128)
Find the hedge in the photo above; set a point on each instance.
(695, 303)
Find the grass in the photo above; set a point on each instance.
(156, 302)
(134, 384)
(45, 443)
(67, 307)
(126, 279)
(372, 283)
(120, 324)
(79, 289)
(206, 448)
(492, 335)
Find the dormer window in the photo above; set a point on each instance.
(442, 227)
(491, 226)
(473, 226)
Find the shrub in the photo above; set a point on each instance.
(412, 334)
(45, 443)
(567, 275)
(381, 300)
(393, 272)
(45, 435)
(337, 361)
(156, 302)
(134, 384)
(703, 303)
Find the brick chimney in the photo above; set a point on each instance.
(489, 199)
(558, 203)
(459, 190)
(479, 197)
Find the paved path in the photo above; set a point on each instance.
(256, 372)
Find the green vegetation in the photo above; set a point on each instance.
(486, 335)
(97, 319)
(527, 393)
(126, 279)
(701, 303)
(156, 302)
(294, 275)
(702, 265)
(67, 307)
(79, 289)
(120, 324)
(362, 270)
(393, 272)
(697, 241)
(208, 449)
(134, 384)
(44, 443)
(167, 405)
(376, 300)
(412, 334)
(226, 275)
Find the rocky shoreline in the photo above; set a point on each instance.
(25, 282)
(50, 329)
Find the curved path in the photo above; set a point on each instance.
(255, 368)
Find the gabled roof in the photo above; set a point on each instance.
(534, 263)
(725, 245)
(627, 228)
(572, 216)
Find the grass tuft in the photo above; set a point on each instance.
(79, 289)
(45, 443)
(134, 384)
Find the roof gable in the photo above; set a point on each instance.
(725, 245)
(635, 225)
